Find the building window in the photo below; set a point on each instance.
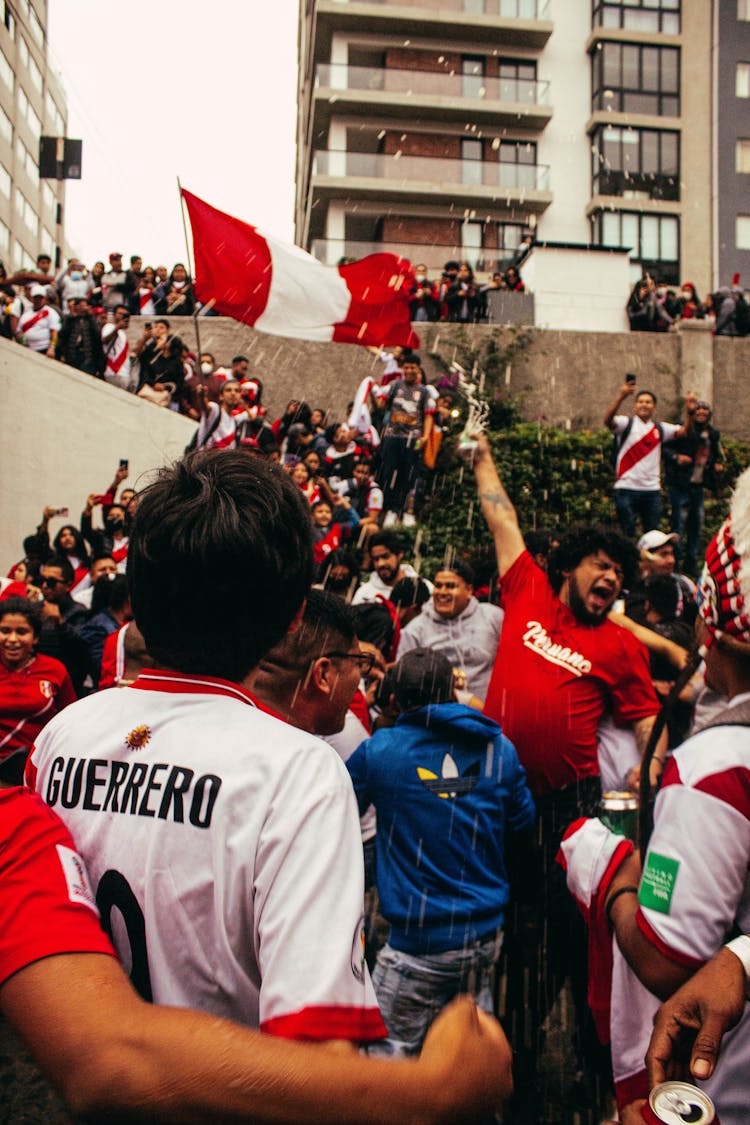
(49, 199)
(22, 258)
(6, 71)
(27, 111)
(10, 23)
(742, 80)
(636, 163)
(636, 79)
(35, 75)
(27, 161)
(36, 29)
(742, 156)
(472, 156)
(517, 80)
(4, 237)
(638, 15)
(472, 76)
(26, 212)
(54, 116)
(6, 128)
(743, 10)
(4, 181)
(518, 164)
(653, 240)
(742, 232)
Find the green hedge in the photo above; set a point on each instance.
(554, 477)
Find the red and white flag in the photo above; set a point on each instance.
(280, 289)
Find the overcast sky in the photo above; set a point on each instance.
(204, 91)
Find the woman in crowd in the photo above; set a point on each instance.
(33, 688)
(142, 303)
(461, 297)
(301, 477)
(178, 298)
(690, 305)
(339, 459)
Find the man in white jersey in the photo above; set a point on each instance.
(694, 889)
(117, 349)
(638, 462)
(38, 327)
(227, 840)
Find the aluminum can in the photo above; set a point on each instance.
(679, 1103)
(619, 811)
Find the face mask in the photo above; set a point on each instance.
(114, 524)
(206, 368)
(76, 275)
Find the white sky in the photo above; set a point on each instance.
(159, 89)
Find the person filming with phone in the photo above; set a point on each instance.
(638, 445)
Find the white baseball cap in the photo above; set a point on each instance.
(653, 540)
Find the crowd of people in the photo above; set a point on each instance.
(657, 308)
(458, 297)
(476, 721)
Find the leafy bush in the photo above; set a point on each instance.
(554, 477)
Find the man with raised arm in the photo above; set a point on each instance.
(560, 666)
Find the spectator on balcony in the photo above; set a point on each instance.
(142, 299)
(135, 273)
(75, 281)
(37, 329)
(116, 283)
(79, 342)
(513, 280)
(462, 297)
(96, 296)
(177, 298)
(117, 367)
(524, 249)
(449, 274)
(10, 306)
(690, 305)
(43, 275)
(643, 309)
(424, 304)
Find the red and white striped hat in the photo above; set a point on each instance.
(724, 589)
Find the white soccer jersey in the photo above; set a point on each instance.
(639, 456)
(695, 890)
(37, 327)
(229, 843)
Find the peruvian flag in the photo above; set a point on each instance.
(280, 289)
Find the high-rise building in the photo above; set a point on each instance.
(450, 128)
(32, 104)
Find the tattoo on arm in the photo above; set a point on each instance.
(498, 499)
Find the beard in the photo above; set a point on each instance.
(580, 610)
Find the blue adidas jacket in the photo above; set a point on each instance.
(446, 785)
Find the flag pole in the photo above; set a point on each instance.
(191, 266)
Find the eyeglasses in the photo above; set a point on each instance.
(365, 660)
(52, 582)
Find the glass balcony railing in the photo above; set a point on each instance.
(401, 169)
(330, 251)
(506, 9)
(447, 84)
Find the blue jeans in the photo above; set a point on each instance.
(632, 503)
(686, 520)
(413, 990)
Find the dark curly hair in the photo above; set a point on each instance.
(580, 541)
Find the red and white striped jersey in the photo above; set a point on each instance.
(639, 456)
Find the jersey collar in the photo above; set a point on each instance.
(187, 683)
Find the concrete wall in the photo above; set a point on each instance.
(578, 289)
(561, 376)
(64, 434)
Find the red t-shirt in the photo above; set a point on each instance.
(46, 903)
(28, 700)
(554, 676)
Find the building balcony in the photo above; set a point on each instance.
(515, 23)
(433, 96)
(393, 178)
(330, 251)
